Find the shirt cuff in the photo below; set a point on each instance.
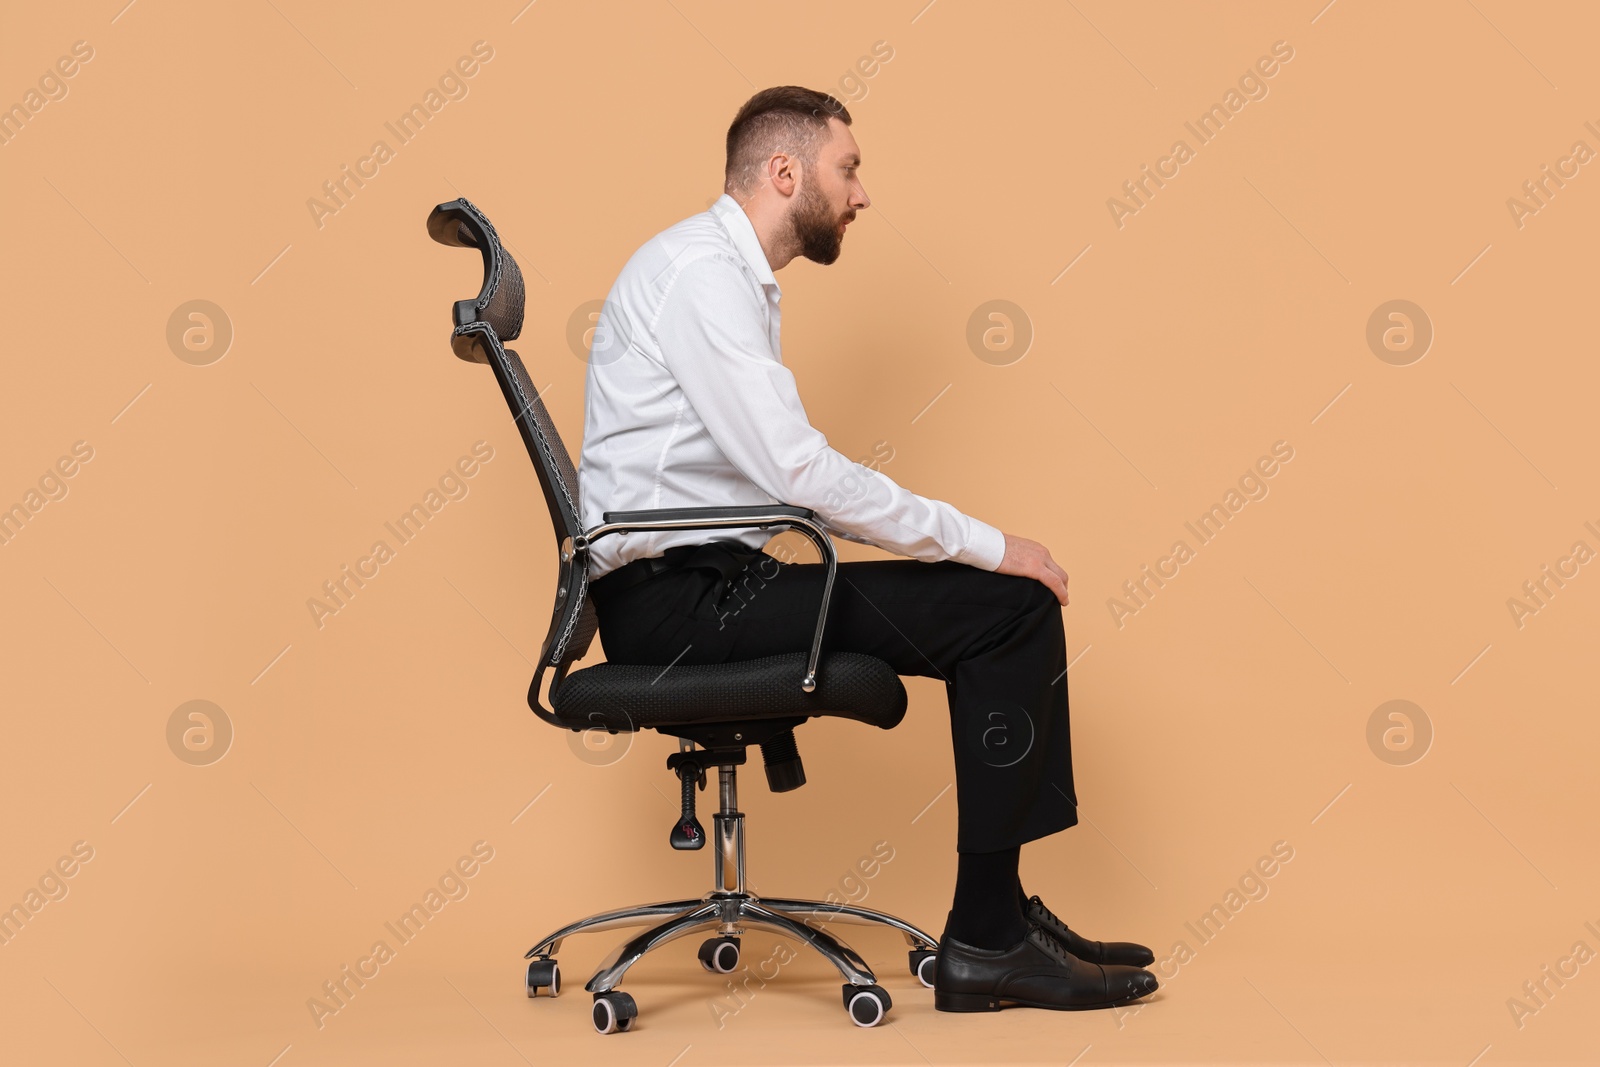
(986, 548)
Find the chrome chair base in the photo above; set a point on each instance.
(729, 914)
(728, 910)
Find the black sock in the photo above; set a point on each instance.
(987, 911)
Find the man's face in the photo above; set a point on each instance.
(829, 197)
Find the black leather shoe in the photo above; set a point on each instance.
(1126, 953)
(1037, 973)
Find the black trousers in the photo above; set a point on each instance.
(996, 641)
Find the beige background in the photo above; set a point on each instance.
(1231, 712)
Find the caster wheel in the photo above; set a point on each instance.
(923, 964)
(867, 1004)
(614, 1013)
(720, 955)
(546, 975)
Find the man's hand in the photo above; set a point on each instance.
(1030, 559)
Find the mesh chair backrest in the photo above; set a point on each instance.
(573, 621)
(478, 338)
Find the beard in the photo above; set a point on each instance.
(815, 226)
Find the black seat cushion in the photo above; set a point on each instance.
(626, 697)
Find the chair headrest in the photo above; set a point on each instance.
(501, 300)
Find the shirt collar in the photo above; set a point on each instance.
(737, 223)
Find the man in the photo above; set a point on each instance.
(688, 404)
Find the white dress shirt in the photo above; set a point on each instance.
(688, 404)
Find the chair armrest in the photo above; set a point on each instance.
(695, 515)
(759, 516)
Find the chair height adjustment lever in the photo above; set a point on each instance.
(687, 833)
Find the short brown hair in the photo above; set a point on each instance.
(786, 118)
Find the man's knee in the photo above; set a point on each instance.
(1039, 612)
(1029, 594)
(1025, 599)
(1026, 595)
(1040, 595)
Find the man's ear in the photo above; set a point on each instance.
(783, 172)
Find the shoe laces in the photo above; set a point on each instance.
(1041, 937)
(1045, 914)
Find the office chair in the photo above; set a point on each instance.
(717, 711)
